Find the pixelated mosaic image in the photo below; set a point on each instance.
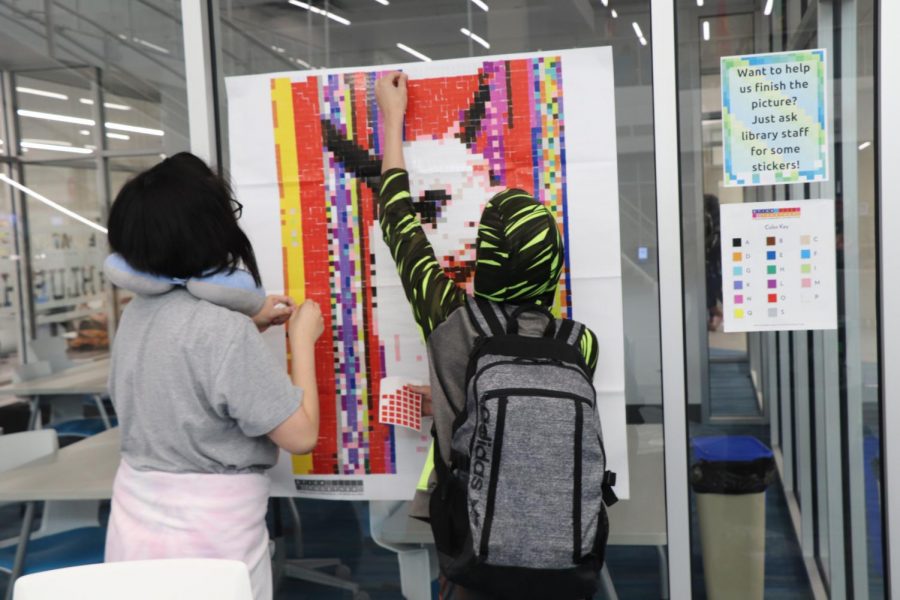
(467, 137)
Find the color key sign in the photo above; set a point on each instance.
(778, 266)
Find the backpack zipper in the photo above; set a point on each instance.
(482, 370)
(506, 392)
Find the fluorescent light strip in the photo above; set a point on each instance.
(614, 14)
(84, 132)
(487, 8)
(34, 114)
(865, 145)
(135, 129)
(383, 2)
(319, 11)
(637, 29)
(605, 2)
(475, 37)
(699, 2)
(706, 30)
(768, 9)
(151, 45)
(112, 105)
(303, 63)
(44, 93)
(51, 142)
(640, 34)
(51, 203)
(118, 136)
(55, 148)
(414, 52)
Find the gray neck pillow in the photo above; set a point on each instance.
(235, 291)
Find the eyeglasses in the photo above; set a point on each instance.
(237, 208)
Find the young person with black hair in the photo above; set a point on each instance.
(202, 402)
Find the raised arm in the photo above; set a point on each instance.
(431, 293)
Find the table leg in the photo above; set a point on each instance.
(35, 413)
(606, 583)
(102, 408)
(415, 574)
(21, 549)
(663, 573)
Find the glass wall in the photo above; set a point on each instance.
(90, 92)
(275, 37)
(810, 395)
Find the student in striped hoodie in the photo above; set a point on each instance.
(519, 259)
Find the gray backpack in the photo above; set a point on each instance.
(520, 511)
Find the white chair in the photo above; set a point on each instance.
(172, 579)
(70, 532)
(17, 449)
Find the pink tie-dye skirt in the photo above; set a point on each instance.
(192, 515)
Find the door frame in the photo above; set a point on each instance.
(671, 290)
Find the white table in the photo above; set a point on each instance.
(638, 521)
(89, 379)
(82, 471)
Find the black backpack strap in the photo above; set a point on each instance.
(475, 317)
(564, 330)
(486, 316)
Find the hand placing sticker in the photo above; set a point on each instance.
(276, 311)
(401, 403)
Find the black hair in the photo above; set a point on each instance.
(179, 219)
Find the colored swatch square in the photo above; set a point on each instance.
(770, 270)
(738, 285)
(738, 271)
(770, 255)
(804, 239)
(739, 313)
(806, 282)
(773, 283)
(770, 241)
(736, 257)
(773, 312)
(806, 268)
(738, 299)
(773, 298)
(401, 407)
(736, 242)
(805, 253)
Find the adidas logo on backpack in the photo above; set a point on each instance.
(521, 510)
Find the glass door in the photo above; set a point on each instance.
(777, 140)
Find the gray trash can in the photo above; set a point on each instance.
(730, 476)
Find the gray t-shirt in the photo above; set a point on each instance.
(196, 388)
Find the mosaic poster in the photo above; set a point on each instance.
(305, 156)
(774, 118)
